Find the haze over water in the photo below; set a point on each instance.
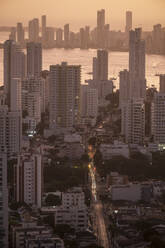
(155, 64)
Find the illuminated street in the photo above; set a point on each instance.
(98, 210)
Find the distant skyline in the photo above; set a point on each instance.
(83, 12)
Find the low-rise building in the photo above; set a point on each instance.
(132, 192)
(117, 149)
(20, 233)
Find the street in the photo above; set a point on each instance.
(98, 210)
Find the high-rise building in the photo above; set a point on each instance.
(14, 65)
(34, 59)
(20, 33)
(59, 37)
(162, 83)
(10, 131)
(100, 28)
(124, 86)
(12, 35)
(137, 64)
(3, 200)
(88, 102)
(33, 85)
(128, 26)
(45, 76)
(28, 179)
(43, 31)
(66, 35)
(34, 30)
(16, 95)
(49, 39)
(64, 95)
(158, 118)
(101, 65)
(101, 18)
(133, 121)
(157, 38)
(87, 36)
(95, 68)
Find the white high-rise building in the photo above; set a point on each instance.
(124, 86)
(14, 65)
(88, 102)
(103, 87)
(34, 59)
(64, 95)
(32, 85)
(158, 118)
(3, 200)
(10, 130)
(137, 64)
(34, 106)
(133, 121)
(28, 179)
(133, 91)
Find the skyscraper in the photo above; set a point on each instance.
(12, 35)
(102, 65)
(59, 36)
(162, 83)
(16, 95)
(49, 39)
(157, 38)
(89, 103)
(66, 35)
(14, 65)
(101, 18)
(20, 33)
(64, 95)
(133, 121)
(43, 21)
(3, 200)
(124, 85)
(137, 64)
(100, 28)
(34, 59)
(34, 30)
(128, 26)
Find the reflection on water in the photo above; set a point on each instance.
(118, 61)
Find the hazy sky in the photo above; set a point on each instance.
(81, 12)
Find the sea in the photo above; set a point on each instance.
(118, 61)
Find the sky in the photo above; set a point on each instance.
(79, 13)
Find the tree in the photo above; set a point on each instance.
(85, 158)
(52, 139)
(92, 141)
(24, 113)
(62, 229)
(24, 128)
